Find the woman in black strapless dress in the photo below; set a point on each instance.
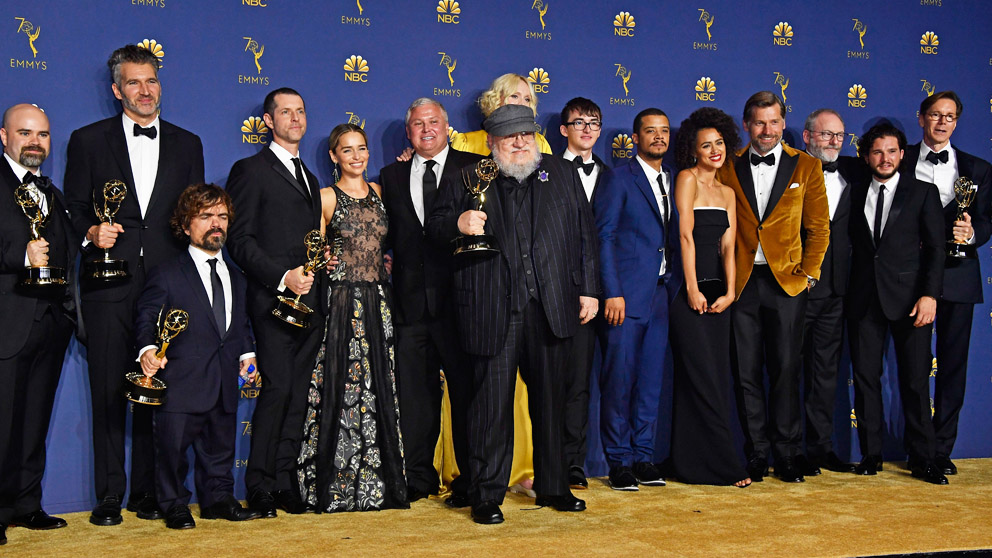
(703, 449)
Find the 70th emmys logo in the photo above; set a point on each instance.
(361, 21)
(356, 120)
(32, 32)
(356, 68)
(254, 130)
(624, 74)
(623, 147)
(783, 83)
(854, 143)
(707, 19)
(256, 50)
(539, 79)
(449, 63)
(928, 87)
(705, 89)
(928, 43)
(860, 29)
(623, 25)
(542, 9)
(154, 47)
(857, 96)
(448, 11)
(782, 34)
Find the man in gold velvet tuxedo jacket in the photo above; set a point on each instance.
(780, 193)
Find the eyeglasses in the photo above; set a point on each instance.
(936, 117)
(593, 125)
(826, 135)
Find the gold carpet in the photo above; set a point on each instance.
(830, 515)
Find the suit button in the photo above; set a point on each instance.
(528, 273)
(144, 227)
(221, 345)
(759, 227)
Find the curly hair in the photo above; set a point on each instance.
(501, 88)
(706, 117)
(194, 199)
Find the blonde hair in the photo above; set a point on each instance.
(501, 88)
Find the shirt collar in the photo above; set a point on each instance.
(569, 156)
(18, 169)
(440, 158)
(282, 154)
(200, 257)
(889, 184)
(648, 169)
(129, 125)
(925, 150)
(777, 151)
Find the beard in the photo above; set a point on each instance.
(824, 155)
(519, 171)
(210, 243)
(32, 160)
(884, 176)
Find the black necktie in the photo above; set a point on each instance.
(767, 159)
(150, 131)
(586, 167)
(830, 167)
(430, 186)
(220, 310)
(937, 158)
(664, 200)
(879, 204)
(299, 175)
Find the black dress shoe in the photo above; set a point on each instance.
(787, 470)
(945, 465)
(807, 467)
(107, 512)
(414, 494)
(230, 510)
(622, 478)
(833, 463)
(178, 517)
(870, 465)
(38, 520)
(262, 502)
(457, 500)
(146, 507)
(757, 468)
(577, 478)
(487, 513)
(647, 474)
(930, 473)
(290, 502)
(564, 502)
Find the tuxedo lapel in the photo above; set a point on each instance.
(782, 179)
(898, 201)
(641, 181)
(118, 147)
(167, 146)
(199, 292)
(742, 166)
(402, 179)
(282, 171)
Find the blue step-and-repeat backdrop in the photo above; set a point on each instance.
(364, 60)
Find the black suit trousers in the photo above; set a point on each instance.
(954, 322)
(823, 336)
(540, 356)
(111, 353)
(577, 372)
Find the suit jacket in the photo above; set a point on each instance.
(203, 362)
(600, 165)
(963, 277)
(273, 214)
(564, 252)
(908, 262)
(97, 154)
(798, 202)
(632, 239)
(836, 264)
(18, 307)
(421, 269)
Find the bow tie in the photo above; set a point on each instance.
(767, 159)
(937, 158)
(41, 182)
(150, 131)
(830, 167)
(586, 167)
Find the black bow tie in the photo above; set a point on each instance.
(587, 167)
(150, 131)
(830, 167)
(767, 159)
(42, 182)
(937, 158)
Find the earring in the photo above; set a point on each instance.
(366, 174)
(336, 177)
(693, 163)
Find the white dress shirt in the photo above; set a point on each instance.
(943, 175)
(835, 189)
(286, 158)
(872, 199)
(20, 172)
(659, 199)
(417, 170)
(763, 177)
(143, 154)
(588, 180)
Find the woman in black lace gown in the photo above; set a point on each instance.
(703, 450)
(352, 453)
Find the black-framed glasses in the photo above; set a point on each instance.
(827, 135)
(593, 125)
(936, 117)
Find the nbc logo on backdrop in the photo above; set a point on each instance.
(539, 79)
(254, 130)
(705, 89)
(623, 147)
(154, 47)
(857, 95)
(782, 34)
(448, 11)
(623, 25)
(356, 69)
(928, 43)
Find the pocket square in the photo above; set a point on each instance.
(794, 185)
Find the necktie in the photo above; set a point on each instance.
(830, 167)
(299, 175)
(150, 131)
(586, 167)
(767, 159)
(664, 200)
(937, 158)
(879, 203)
(430, 187)
(220, 310)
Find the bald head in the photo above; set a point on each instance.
(25, 135)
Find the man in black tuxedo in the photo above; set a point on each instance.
(156, 161)
(426, 335)
(521, 306)
(278, 202)
(203, 362)
(897, 259)
(581, 124)
(936, 160)
(823, 329)
(36, 323)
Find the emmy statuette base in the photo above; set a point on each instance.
(475, 245)
(107, 271)
(292, 312)
(44, 276)
(144, 390)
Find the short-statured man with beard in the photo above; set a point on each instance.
(823, 328)
(936, 160)
(520, 306)
(426, 335)
(897, 259)
(783, 228)
(36, 323)
(638, 228)
(156, 160)
(278, 202)
(203, 362)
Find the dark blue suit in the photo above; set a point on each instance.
(202, 378)
(632, 241)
